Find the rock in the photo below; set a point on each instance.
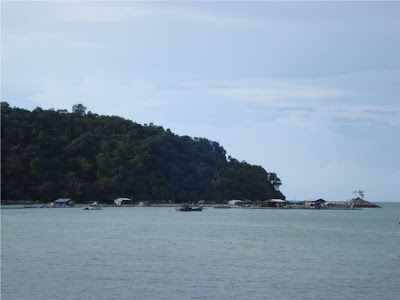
(358, 202)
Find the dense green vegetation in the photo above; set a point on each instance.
(47, 154)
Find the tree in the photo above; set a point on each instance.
(79, 109)
(47, 154)
(360, 193)
(274, 180)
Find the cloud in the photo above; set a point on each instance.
(100, 94)
(306, 90)
(81, 45)
(132, 11)
(104, 13)
(271, 91)
(355, 97)
(329, 100)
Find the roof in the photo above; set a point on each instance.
(62, 200)
(124, 199)
(276, 200)
(315, 199)
(237, 200)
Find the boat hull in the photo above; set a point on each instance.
(189, 209)
(91, 208)
(94, 206)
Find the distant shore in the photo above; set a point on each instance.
(356, 203)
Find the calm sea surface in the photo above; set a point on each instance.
(157, 253)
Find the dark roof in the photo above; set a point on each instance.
(275, 200)
(315, 200)
(62, 200)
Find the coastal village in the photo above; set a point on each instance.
(312, 203)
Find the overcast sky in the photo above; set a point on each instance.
(308, 90)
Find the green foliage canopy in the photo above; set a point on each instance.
(47, 154)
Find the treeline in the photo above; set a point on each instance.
(48, 154)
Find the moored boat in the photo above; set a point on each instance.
(93, 206)
(223, 206)
(187, 207)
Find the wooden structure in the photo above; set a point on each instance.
(122, 201)
(236, 202)
(274, 203)
(315, 203)
(63, 202)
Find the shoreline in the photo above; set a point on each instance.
(217, 205)
(44, 205)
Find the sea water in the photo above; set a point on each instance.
(158, 253)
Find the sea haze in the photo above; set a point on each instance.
(157, 253)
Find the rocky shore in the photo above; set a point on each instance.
(358, 202)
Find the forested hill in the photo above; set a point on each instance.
(48, 154)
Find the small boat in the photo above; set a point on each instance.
(93, 206)
(222, 206)
(187, 207)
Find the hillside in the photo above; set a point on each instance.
(47, 154)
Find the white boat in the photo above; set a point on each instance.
(93, 206)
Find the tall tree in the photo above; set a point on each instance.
(79, 109)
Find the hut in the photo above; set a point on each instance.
(235, 202)
(62, 202)
(274, 203)
(122, 201)
(315, 203)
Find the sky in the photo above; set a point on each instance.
(308, 90)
